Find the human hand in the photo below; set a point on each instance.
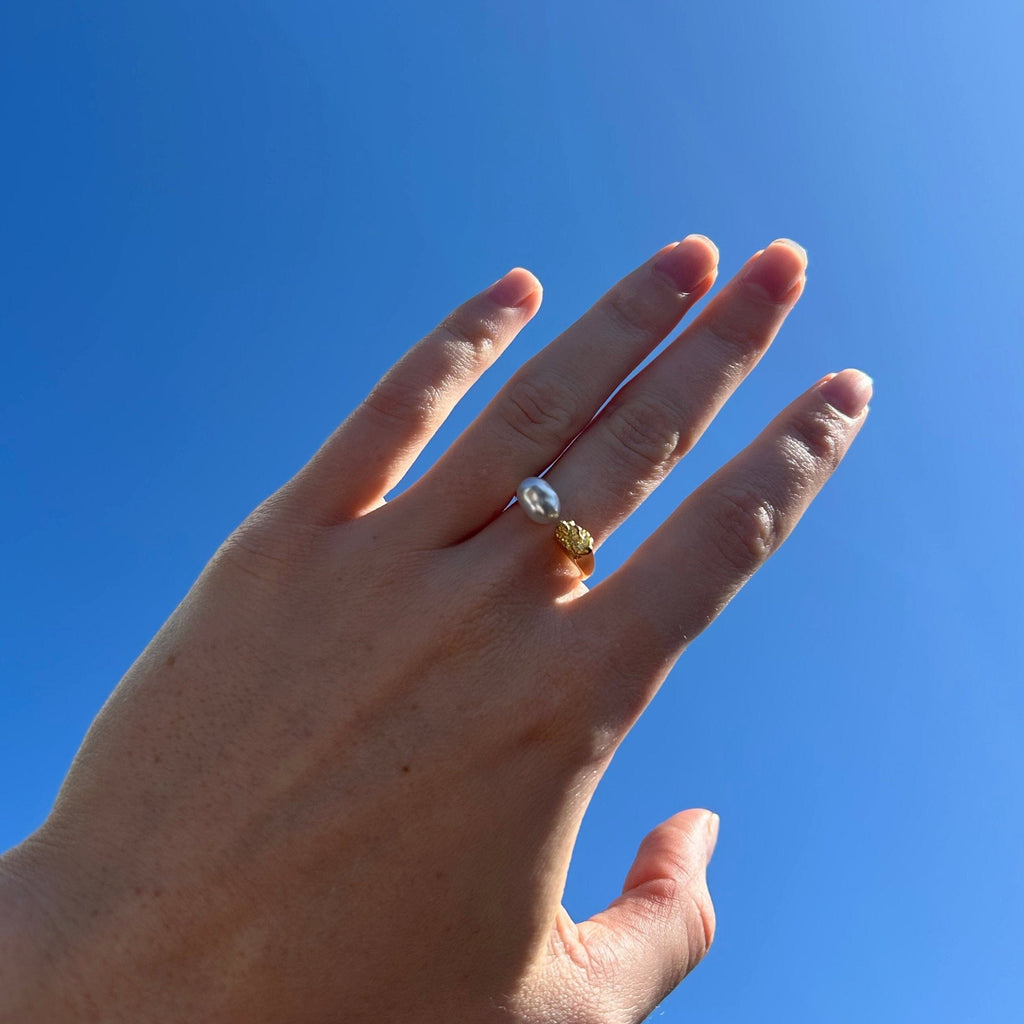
(344, 780)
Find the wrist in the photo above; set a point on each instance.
(34, 945)
(79, 941)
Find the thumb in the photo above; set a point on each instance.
(661, 926)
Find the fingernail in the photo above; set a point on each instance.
(795, 246)
(713, 822)
(513, 289)
(778, 269)
(848, 391)
(696, 236)
(689, 262)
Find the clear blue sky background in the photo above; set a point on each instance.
(222, 220)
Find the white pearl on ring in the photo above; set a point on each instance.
(539, 500)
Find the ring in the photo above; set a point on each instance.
(541, 505)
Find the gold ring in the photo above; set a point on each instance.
(541, 505)
(578, 544)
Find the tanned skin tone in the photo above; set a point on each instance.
(344, 780)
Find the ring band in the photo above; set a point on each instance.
(541, 504)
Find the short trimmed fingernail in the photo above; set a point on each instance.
(513, 289)
(778, 269)
(689, 263)
(713, 822)
(848, 391)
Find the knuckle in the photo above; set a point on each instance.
(394, 400)
(688, 902)
(731, 330)
(554, 721)
(815, 437)
(553, 724)
(648, 429)
(546, 722)
(541, 408)
(269, 546)
(629, 306)
(701, 932)
(468, 332)
(746, 529)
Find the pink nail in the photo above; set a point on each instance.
(513, 289)
(689, 262)
(778, 269)
(848, 391)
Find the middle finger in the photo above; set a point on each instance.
(661, 413)
(551, 399)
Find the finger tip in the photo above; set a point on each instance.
(688, 264)
(796, 247)
(528, 275)
(778, 270)
(713, 822)
(698, 824)
(848, 391)
(517, 289)
(706, 243)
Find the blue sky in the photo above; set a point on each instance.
(223, 220)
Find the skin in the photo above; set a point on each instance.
(344, 780)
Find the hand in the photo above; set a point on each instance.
(344, 780)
